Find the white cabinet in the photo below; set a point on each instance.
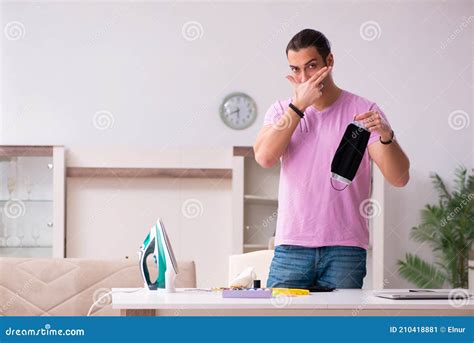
(32, 180)
(255, 202)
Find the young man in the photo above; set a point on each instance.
(322, 235)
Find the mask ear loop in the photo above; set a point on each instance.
(338, 189)
(306, 125)
(301, 125)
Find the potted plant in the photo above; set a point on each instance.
(448, 228)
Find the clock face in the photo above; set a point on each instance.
(238, 111)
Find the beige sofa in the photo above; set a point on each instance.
(68, 287)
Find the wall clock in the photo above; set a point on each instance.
(238, 111)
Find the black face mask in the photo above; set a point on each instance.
(349, 154)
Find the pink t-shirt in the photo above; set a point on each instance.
(310, 212)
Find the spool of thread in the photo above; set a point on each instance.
(257, 284)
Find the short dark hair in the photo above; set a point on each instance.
(307, 38)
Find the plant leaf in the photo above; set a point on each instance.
(460, 179)
(420, 273)
(441, 187)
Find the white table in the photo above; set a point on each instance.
(343, 302)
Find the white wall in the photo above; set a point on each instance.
(77, 58)
(110, 217)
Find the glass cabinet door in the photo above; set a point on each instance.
(27, 227)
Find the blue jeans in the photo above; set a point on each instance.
(332, 266)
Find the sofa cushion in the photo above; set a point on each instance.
(69, 286)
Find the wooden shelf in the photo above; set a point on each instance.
(256, 199)
(246, 151)
(25, 150)
(195, 173)
(255, 247)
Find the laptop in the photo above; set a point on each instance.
(424, 294)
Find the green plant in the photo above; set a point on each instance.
(449, 229)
